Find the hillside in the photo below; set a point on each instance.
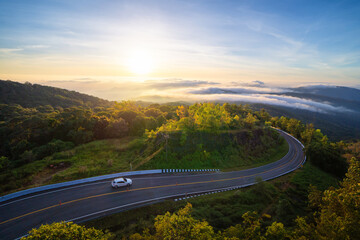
(329, 92)
(64, 145)
(228, 151)
(34, 95)
(334, 109)
(337, 126)
(232, 150)
(203, 135)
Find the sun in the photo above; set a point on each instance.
(140, 63)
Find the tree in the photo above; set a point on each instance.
(4, 163)
(182, 112)
(264, 115)
(210, 117)
(128, 115)
(338, 216)
(66, 231)
(248, 229)
(153, 112)
(179, 225)
(327, 157)
(99, 128)
(150, 123)
(250, 120)
(294, 127)
(160, 120)
(276, 231)
(307, 134)
(138, 126)
(117, 128)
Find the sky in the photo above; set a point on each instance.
(128, 49)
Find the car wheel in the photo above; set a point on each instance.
(128, 185)
(116, 186)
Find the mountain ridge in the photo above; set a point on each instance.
(34, 95)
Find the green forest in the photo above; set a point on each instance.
(229, 136)
(49, 143)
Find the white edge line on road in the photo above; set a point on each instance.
(101, 182)
(170, 196)
(104, 181)
(177, 195)
(45, 193)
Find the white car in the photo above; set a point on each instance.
(121, 182)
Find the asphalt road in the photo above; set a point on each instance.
(79, 203)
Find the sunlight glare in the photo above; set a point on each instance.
(141, 63)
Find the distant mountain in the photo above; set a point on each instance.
(335, 92)
(333, 109)
(33, 95)
(348, 98)
(337, 126)
(342, 123)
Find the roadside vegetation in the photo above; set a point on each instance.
(76, 136)
(281, 199)
(67, 144)
(332, 214)
(73, 143)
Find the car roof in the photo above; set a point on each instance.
(119, 179)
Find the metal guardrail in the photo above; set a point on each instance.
(291, 136)
(75, 182)
(188, 170)
(201, 193)
(95, 179)
(115, 175)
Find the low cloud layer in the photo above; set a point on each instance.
(266, 95)
(175, 83)
(168, 90)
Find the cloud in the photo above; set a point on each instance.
(176, 83)
(247, 89)
(125, 89)
(277, 100)
(39, 46)
(167, 90)
(257, 83)
(74, 81)
(264, 95)
(10, 50)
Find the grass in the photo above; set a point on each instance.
(87, 160)
(274, 154)
(283, 198)
(310, 174)
(100, 157)
(220, 210)
(115, 155)
(234, 150)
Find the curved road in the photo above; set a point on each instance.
(79, 203)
